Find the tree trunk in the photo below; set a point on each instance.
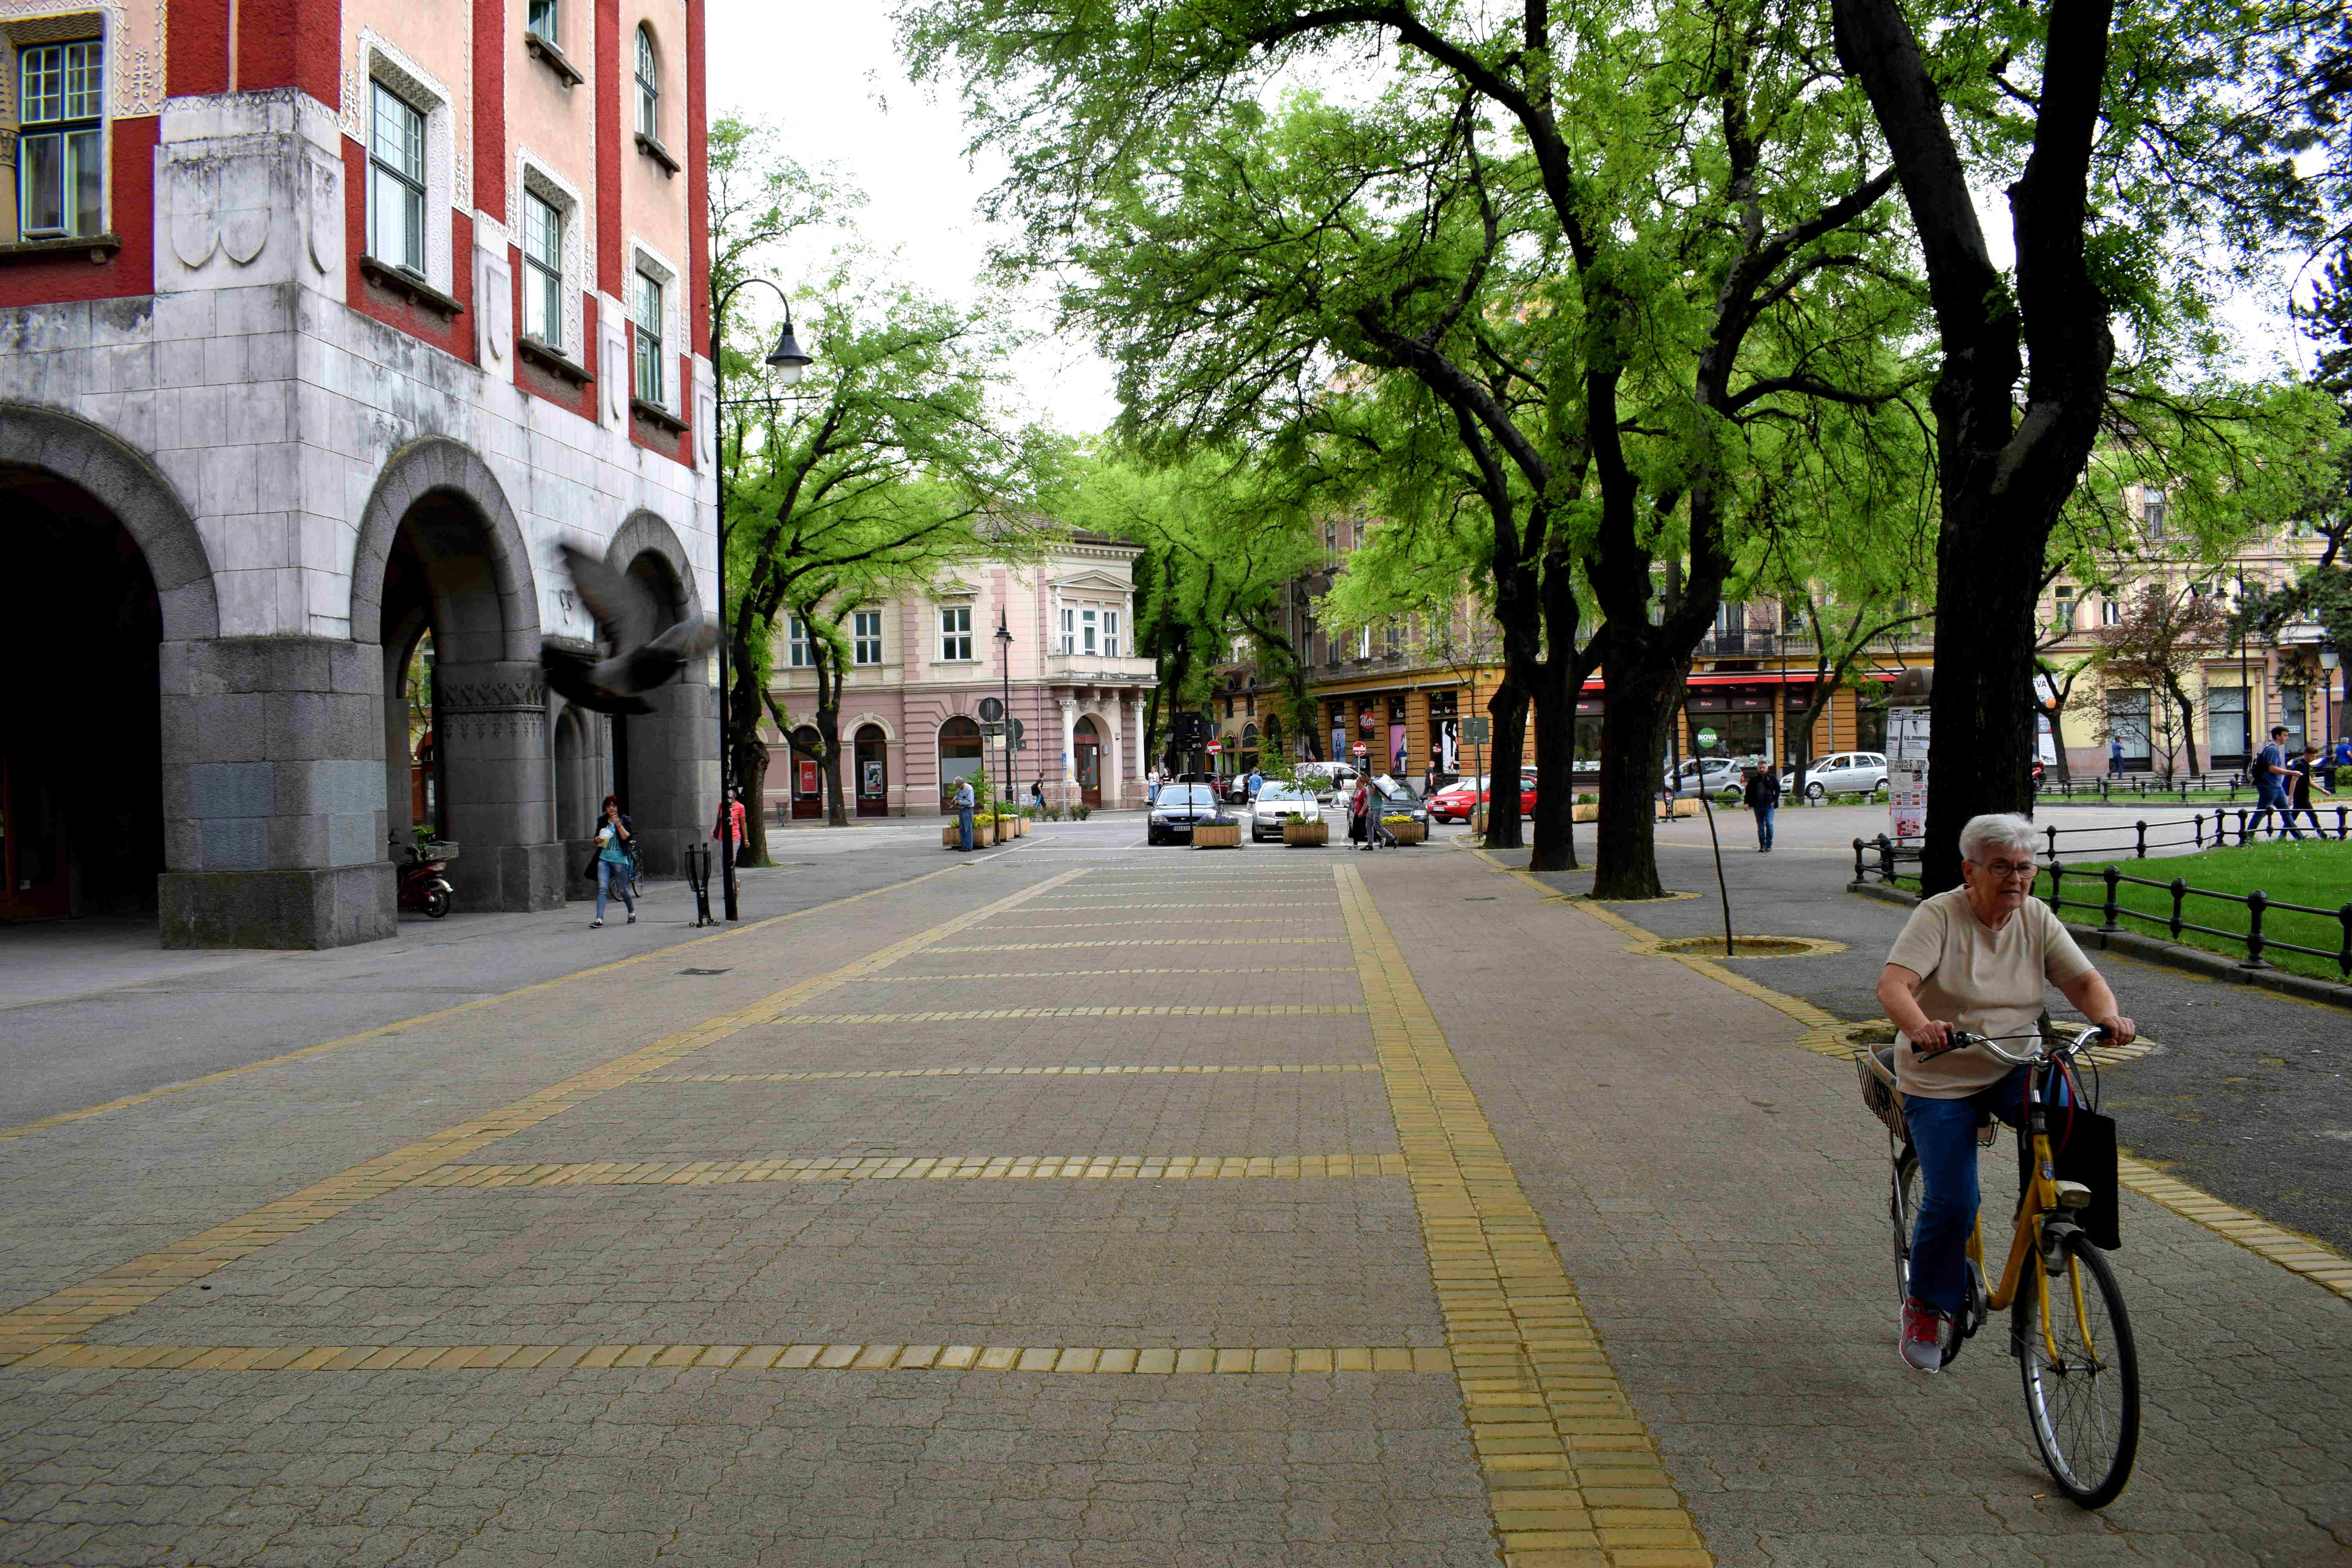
(829, 677)
(750, 760)
(1644, 693)
(751, 778)
(1508, 708)
(1980, 751)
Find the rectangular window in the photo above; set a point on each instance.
(542, 21)
(1110, 634)
(1393, 636)
(1070, 630)
(1086, 629)
(2127, 722)
(1364, 642)
(61, 148)
(542, 275)
(397, 182)
(647, 316)
(2062, 608)
(866, 641)
(2152, 508)
(799, 648)
(2111, 611)
(955, 632)
(2227, 734)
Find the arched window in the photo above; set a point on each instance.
(959, 753)
(648, 86)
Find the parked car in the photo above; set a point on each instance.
(1278, 804)
(1178, 807)
(1718, 777)
(1328, 780)
(1395, 797)
(1843, 773)
(1452, 802)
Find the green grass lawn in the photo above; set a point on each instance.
(2313, 872)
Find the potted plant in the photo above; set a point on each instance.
(1401, 828)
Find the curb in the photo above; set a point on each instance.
(2171, 955)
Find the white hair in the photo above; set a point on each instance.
(1997, 830)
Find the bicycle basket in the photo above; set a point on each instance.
(1874, 1066)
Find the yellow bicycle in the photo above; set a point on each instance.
(2068, 1328)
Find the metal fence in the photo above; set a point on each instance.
(1893, 859)
(2147, 786)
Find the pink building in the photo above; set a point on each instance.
(922, 663)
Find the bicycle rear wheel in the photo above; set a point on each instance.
(1903, 1212)
(2083, 1402)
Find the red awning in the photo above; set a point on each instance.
(1754, 678)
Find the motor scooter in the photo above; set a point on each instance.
(424, 881)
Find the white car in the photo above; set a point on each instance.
(1840, 773)
(1278, 804)
(1717, 776)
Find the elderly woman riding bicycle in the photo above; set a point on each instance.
(1974, 959)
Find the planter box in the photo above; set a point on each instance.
(1218, 834)
(1305, 834)
(1406, 832)
(952, 836)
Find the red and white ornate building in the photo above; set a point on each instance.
(321, 322)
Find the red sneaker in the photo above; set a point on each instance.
(1924, 1333)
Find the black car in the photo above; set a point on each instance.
(1179, 807)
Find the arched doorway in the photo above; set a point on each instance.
(1248, 759)
(451, 563)
(575, 776)
(657, 757)
(1086, 747)
(872, 754)
(959, 756)
(808, 773)
(81, 757)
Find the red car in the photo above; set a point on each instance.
(1452, 802)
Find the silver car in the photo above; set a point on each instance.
(1279, 803)
(1840, 773)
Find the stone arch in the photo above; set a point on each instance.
(438, 541)
(663, 762)
(432, 465)
(850, 725)
(142, 497)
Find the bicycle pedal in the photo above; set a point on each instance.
(2073, 1195)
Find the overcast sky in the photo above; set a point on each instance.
(831, 76)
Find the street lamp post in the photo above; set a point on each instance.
(2328, 659)
(788, 361)
(1004, 647)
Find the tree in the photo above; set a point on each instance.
(2128, 163)
(1594, 267)
(2159, 643)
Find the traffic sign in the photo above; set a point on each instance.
(1013, 727)
(1362, 750)
(1706, 737)
(992, 729)
(1474, 729)
(1215, 747)
(991, 709)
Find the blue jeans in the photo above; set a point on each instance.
(613, 876)
(1944, 1135)
(964, 825)
(2270, 797)
(1763, 825)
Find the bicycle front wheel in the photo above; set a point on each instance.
(2081, 1375)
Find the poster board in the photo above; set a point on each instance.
(1906, 772)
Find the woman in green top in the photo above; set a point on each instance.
(613, 862)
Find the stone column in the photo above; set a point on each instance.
(1115, 784)
(1069, 748)
(274, 810)
(490, 720)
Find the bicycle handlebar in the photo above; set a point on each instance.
(1960, 1039)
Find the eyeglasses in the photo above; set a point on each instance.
(2003, 869)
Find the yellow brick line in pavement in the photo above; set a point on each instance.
(1270, 1010)
(1211, 916)
(1090, 974)
(1572, 1476)
(72, 1312)
(382, 1031)
(1171, 904)
(1154, 942)
(1087, 1071)
(1168, 1360)
(912, 1168)
(1825, 1036)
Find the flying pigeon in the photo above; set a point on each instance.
(626, 614)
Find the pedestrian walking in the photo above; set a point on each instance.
(1256, 782)
(730, 846)
(1037, 792)
(2115, 756)
(1358, 820)
(2339, 762)
(2271, 787)
(612, 868)
(1763, 797)
(965, 802)
(2302, 771)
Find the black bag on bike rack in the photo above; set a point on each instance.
(2082, 1148)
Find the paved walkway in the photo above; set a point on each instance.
(1085, 1205)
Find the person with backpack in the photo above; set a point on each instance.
(1763, 797)
(2272, 785)
(613, 863)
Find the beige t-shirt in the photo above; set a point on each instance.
(1987, 981)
